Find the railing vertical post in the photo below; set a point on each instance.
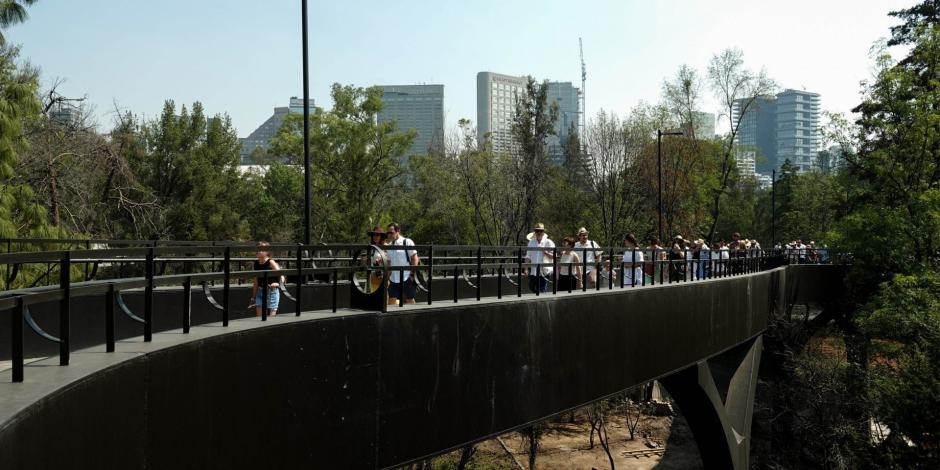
(301, 281)
(264, 297)
(479, 269)
(554, 270)
(6, 278)
(584, 271)
(16, 333)
(456, 285)
(430, 273)
(401, 284)
(335, 286)
(519, 273)
(226, 283)
(65, 285)
(187, 303)
(148, 296)
(109, 318)
(610, 277)
(499, 280)
(623, 272)
(87, 247)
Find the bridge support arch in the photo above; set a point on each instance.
(716, 397)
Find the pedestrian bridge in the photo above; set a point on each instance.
(335, 384)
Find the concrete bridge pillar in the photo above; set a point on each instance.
(717, 399)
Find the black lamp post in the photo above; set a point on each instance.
(659, 164)
(773, 208)
(303, 8)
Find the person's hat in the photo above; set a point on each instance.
(377, 230)
(678, 237)
(582, 230)
(538, 226)
(699, 242)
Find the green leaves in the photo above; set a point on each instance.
(356, 162)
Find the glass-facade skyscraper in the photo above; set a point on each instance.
(778, 128)
(496, 106)
(568, 98)
(261, 136)
(418, 107)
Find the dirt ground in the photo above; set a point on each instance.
(663, 443)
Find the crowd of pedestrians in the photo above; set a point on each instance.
(582, 263)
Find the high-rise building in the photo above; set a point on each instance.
(261, 136)
(757, 134)
(832, 159)
(703, 124)
(797, 128)
(418, 107)
(66, 115)
(779, 128)
(568, 98)
(496, 104)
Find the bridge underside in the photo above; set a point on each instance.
(380, 390)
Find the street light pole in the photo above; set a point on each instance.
(773, 208)
(659, 166)
(306, 74)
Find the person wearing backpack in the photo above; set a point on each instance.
(401, 283)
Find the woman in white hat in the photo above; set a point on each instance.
(591, 256)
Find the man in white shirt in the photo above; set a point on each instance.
(398, 259)
(591, 254)
(541, 250)
(801, 250)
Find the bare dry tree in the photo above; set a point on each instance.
(81, 176)
(737, 90)
(532, 441)
(614, 146)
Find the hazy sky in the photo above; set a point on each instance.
(243, 57)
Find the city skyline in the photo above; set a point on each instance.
(246, 75)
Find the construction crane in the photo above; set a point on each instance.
(583, 124)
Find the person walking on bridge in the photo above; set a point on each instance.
(591, 256)
(632, 262)
(569, 276)
(264, 262)
(541, 251)
(402, 284)
(376, 257)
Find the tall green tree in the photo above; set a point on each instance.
(11, 13)
(357, 161)
(20, 214)
(533, 121)
(190, 163)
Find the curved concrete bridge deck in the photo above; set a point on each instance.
(328, 390)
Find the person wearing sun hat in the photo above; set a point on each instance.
(677, 259)
(541, 250)
(377, 238)
(591, 254)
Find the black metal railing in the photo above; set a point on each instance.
(98, 268)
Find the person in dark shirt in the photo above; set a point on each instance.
(264, 262)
